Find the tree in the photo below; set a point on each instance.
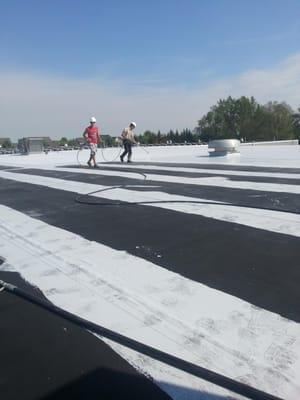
(147, 137)
(296, 124)
(186, 136)
(72, 142)
(222, 121)
(7, 144)
(107, 141)
(171, 136)
(245, 118)
(63, 141)
(159, 137)
(280, 119)
(260, 127)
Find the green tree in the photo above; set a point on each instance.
(280, 120)
(260, 126)
(107, 141)
(222, 121)
(149, 137)
(63, 141)
(246, 110)
(245, 118)
(72, 142)
(159, 137)
(7, 144)
(296, 124)
(186, 136)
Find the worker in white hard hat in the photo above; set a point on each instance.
(92, 135)
(128, 140)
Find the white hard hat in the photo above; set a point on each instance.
(133, 124)
(93, 119)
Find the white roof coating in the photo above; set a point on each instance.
(271, 155)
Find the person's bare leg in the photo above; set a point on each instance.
(94, 159)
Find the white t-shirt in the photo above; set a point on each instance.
(128, 134)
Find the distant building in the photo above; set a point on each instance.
(46, 140)
(29, 145)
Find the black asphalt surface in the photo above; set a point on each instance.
(4, 167)
(220, 167)
(188, 174)
(258, 266)
(45, 357)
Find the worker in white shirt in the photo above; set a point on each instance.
(128, 140)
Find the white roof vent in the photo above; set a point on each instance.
(223, 147)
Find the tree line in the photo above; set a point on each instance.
(148, 137)
(242, 118)
(184, 136)
(245, 119)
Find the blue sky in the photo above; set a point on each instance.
(150, 45)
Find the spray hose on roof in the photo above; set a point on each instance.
(186, 366)
(89, 199)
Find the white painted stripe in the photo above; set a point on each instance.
(157, 307)
(273, 221)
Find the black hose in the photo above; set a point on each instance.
(80, 199)
(193, 369)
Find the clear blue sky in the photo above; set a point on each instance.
(152, 42)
